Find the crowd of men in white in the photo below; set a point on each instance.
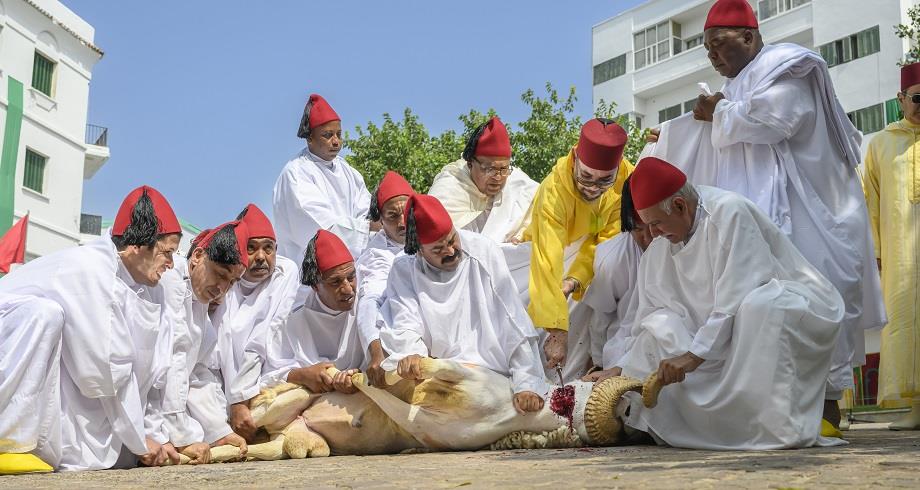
(746, 279)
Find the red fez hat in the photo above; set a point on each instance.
(258, 224)
(392, 185)
(321, 112)
(168, 223)
(200, 236)
(432, 222)
(242, 239)
(653, 181)
(330, 251)
(910, 75)
(601, 145)
(731, 13)
(494, 141)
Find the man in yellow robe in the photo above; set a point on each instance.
(576, 206)
(892, 185)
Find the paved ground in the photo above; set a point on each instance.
(875, 458)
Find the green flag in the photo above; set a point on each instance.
(9, 153)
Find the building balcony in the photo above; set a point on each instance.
(97, 149)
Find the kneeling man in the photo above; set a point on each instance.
(732, 315)
(322, 330)
(452, 297)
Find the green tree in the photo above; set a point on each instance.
(405, 146)
(537, 142)
(911, 32)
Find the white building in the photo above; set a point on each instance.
(46, 60)
(649, 59)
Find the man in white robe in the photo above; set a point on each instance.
(452, 297)
(193, 405)
(83, 340)
(373, 266)
(322, 330)
(740, 327)
(256, 306)
(777, 134)
(318, 189)
(482, 191)
(612, 296)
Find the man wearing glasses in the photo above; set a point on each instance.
(776, 134)
(576, 207)
(482, 191)
(892, 186)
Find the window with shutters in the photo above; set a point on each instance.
(43, 74)
(770, 8)
(34, 175)
(610, 69)
(852, 47)
(869, 119)
(668, 113)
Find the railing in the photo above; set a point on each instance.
(90, 224)
(97, 135)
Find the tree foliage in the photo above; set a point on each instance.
(910, 32)
(537, 142)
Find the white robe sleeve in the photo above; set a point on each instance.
(207, 405)
(279, 360)
(402, 331)
(768, 118)
(154, 425)
(125, 412)
(372, 276)
(526, 369)
(246, 385)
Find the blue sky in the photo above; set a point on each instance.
(202, 98)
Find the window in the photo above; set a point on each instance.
(639, 122)
(610, 69)
(869, 119)
(668, 113)
(771, 8)
(694, 41)
(689, 105)
(858, 45)
(656, 43)
(34, 175)
(43, 74)
(893, 111)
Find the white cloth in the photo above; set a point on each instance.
(193, 406)
(313, 194)
(612, 299)
(30, 358)
(114, 343)
(470, 315)
(373, 269)
(506, 212)
(245, 322)
(739, 295)
(781, 139)
(313, 333)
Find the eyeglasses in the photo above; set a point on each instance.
(915, 98)
(602, 184)
(590, 184)
(493, 171)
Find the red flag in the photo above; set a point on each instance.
(13, 245)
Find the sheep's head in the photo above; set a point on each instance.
(602, 425)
